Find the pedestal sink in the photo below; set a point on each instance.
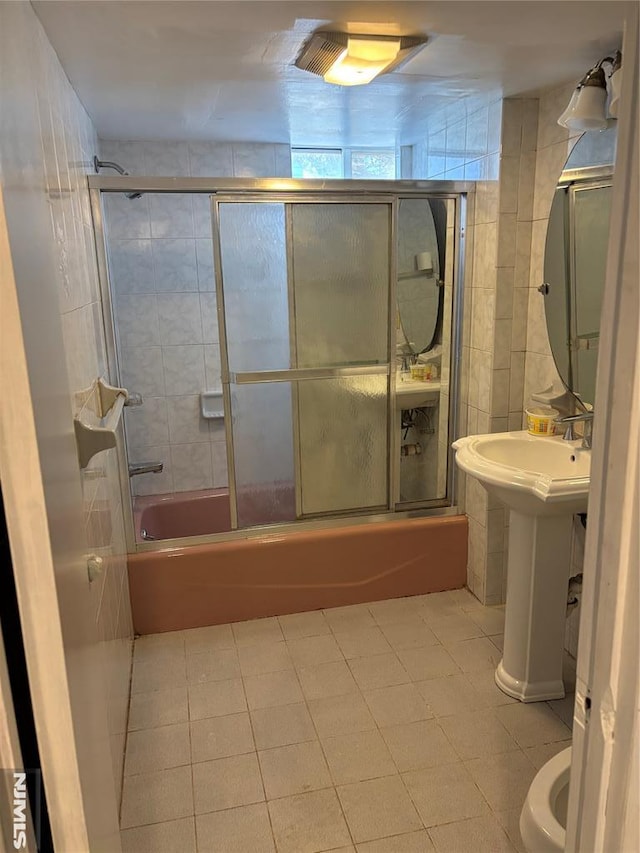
(543, 481)
(414, 393)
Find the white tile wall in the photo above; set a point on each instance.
(493, 142)
(161, 267)
(68, 144)
(464, 143)
(506, 351)
(554, 144)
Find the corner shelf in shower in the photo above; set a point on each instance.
(94, 439)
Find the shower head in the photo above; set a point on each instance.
(109, 164)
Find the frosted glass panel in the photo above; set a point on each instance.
(343, 443)
(263, 453)
(254, 274)
(341, 282)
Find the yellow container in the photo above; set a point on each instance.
(417, 371)
(540, 420)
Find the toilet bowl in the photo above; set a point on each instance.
(543, 821)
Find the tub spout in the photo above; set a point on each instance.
(136, 468)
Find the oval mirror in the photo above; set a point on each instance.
(575, 260)
(418, 292)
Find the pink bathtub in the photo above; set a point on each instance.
(278, 573)
(172, 516)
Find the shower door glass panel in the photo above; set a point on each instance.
(340, 277)
(343, 443)
(264, 453)
(254, 269)
(305, 290)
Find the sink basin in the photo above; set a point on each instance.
(543, 481)
(414, 393)
(532, 474)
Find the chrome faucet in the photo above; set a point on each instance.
(582, 417)
(136, 468)
(406, 360)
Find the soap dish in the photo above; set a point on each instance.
(212, 404)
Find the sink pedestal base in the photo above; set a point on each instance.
(537, 581)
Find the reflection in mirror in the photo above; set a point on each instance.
(575, 260)
(423, 406)
(419, 294)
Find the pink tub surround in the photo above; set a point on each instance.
(274, 574)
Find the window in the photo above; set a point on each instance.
(317, 163)
(373, 164)
(343, 163)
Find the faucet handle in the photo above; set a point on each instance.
(574, 419)
(582, 417)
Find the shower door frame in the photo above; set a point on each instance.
(458, 191)
(293, 375)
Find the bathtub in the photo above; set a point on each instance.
(263, 574)
(172, 516)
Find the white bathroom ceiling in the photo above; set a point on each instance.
(224, 70)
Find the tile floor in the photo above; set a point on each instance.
(374, 728)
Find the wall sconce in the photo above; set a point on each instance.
(353, 59)
(587, 108)
(615, 82)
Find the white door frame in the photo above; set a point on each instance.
(604, 796)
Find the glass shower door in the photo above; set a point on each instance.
(304, 292)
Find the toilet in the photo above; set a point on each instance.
(543, 820)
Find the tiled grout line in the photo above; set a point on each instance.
(333, 787)
(359, 690)
(126, 733)
(255, 745)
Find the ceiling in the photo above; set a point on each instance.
(224, 70)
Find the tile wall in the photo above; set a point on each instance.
(498, 330)
(554, 144)
(496, 143)
(68, 143)
(161, 267)
(464, 143)
(506, 354)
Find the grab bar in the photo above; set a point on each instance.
(93, 439)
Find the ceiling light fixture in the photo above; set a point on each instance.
(350, 59)
(586, 109)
